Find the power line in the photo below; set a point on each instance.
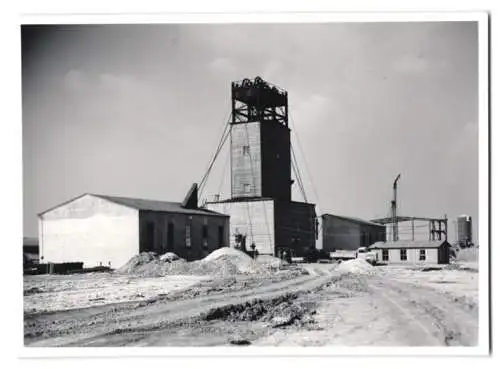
(298, 176)
(226, 162)
(305, 162)
(225, 135)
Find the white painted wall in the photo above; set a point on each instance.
(91, 230)
(257, 215)
(431, 256)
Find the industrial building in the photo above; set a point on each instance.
(346, 233)
(260, 206)
(103, 230)
(414, 252)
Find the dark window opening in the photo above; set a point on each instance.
(188, 234)
(422, 255)
(204, 236)
(170, 236)
(385, 255)
(149, 237)
(403, 254)
(220, 238)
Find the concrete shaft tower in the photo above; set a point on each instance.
(260, 141)
(261, 206)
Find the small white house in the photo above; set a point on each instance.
(412, 252)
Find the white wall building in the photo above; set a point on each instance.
(412, 252)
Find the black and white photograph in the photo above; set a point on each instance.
(255, 184)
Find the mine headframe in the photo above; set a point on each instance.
(258, 101)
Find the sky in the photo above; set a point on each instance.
(137, 110)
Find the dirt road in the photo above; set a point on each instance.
(107, 325)
(370, 310)
(374, 308)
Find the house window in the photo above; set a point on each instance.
(422, 255)
(188, 234)
(220, 237)
(403, 255)
(204, 231)
(149, 241)
(385, 255)
(246, 150)
(204, 235)
(170, 236)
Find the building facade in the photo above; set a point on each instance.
(412, 252)
(346, 233)
(261, 207)
(103, 230)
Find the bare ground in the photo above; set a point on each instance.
(390, 307)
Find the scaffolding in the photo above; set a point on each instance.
(438, 227)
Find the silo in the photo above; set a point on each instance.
(464, 229)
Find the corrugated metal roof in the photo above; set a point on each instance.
(355, 220)
(407, 245)
(154, 205)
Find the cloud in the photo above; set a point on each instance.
(311, 109)
(411, 64)
(272, 68)
(75, 81)
(222, 65)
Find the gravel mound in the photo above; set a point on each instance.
(222, 262)
(227, 252)
(234, 260)
(270, 261)
(170, 256)
(278, 312)
(359, 266)
(137, 262)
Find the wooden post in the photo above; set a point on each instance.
(445, 228)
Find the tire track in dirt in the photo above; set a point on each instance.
(439, 318)
(156, 316)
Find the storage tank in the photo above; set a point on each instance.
(464, 230)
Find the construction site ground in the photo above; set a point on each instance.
(346, 304)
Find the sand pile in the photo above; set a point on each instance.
(170, 256)
(222, 262)
(234, 260)
(138, 261)
(359, 266)
(270, 261)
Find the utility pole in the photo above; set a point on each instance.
(394, 209)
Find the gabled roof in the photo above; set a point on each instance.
(154, 205)
(408, 245)
(354, 220)
(147, 205)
